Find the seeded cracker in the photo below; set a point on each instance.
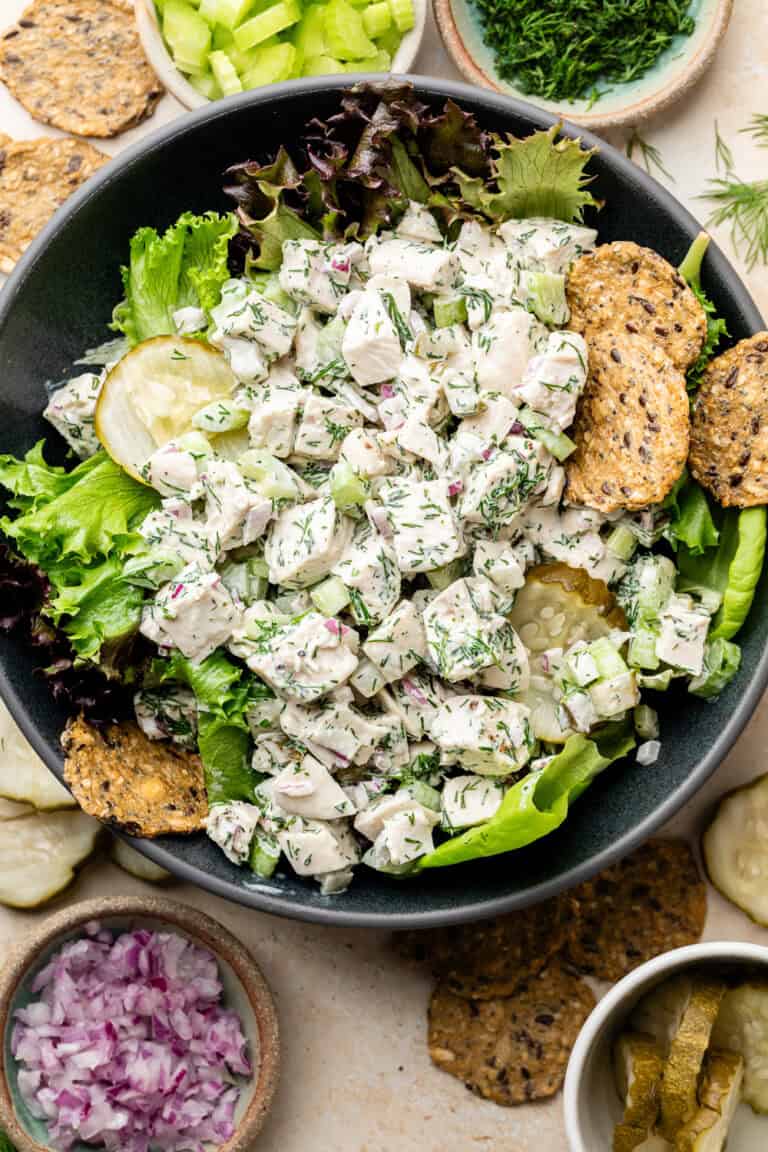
(511, 1049)
(630, 289)
(729, 432)
(631, 428)
(36, 177)
(650, 902)
(492, 958)
(144, 787)
(78, 65)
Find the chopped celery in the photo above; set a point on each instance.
(546, 298)
(722, 660)
(228, 13)
(330, 596)
(187, 33)
(425, 794)
(447, 310)
(196, 444)
(265, 853)
(206, 85)
(347, 487)
(222, 37)
(656, 583)
(309, 34)
(275, 63)
(560, 445)
(221, 416)
(403, 14)
(267, 23)
(274, 479)
(323, 66)
(376, 19)
(660, 682)
(608, 660)
(152, 569)
(646, 722)
(224, 71)
(344, 32)
(246, 580)
(390, 42)
(271, 284)
(381, 62)
(642, 649)
(441, 577)
(622, 542)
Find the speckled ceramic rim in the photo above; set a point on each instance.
(609, 1011)
(702, 767)
(195, 924)
(662, 98)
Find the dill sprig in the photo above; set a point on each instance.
(758, 128)
(741, 205)
(723, 154)
(568, 49)
(649, 154)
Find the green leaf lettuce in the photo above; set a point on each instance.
(731, 570)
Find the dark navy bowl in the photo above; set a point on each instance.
(58, 302)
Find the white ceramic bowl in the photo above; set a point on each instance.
(592, 1106)
(176, 83)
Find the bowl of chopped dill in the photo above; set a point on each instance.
(600, 63)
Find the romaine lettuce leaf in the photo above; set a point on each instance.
(539, 803)
(186, 266)
(732, 569)
(691, 521)
(690, 270)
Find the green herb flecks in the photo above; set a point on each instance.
(758, 129)
(571, 49)
(649, 154)
(723, 154)
(741, 205)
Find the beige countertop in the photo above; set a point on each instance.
(356, 1075)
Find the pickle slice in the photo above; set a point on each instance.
(735, 849)
(742, 1026)
(628, 1138)
(686, 1056)
(40, 854)
(660, 1012)
(137, 865)
(24, 779)
(638, 1061)
(719, 1094)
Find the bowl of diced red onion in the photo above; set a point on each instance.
(135, 1025)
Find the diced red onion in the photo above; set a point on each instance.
(177, 591)
(341, 264)
(386, 391)
(415, 693)
(333, 626)
(487, 453)
(378, 518)
(455, 487)
(129, 1046)
(516, 428)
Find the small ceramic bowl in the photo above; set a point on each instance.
(176, 83)
(245, 991)
(592, 1106)
(675, 72)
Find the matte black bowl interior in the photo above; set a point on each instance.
(57, 304)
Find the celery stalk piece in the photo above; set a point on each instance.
(389, 41)
(546, 297)
(265, 853)
(376, 19)
(607, 658)
(275, 63)
(642, 649)
(206, 85)
(323, 66)
(224, 71)
(403, 14)
(309, 33)
(344, 32)
(622, 542)
(267, 23)
(381, 62)
(347, 488)
(330, 596)
(560, 445)
(187, 33)
(448, 310)
(230, 13)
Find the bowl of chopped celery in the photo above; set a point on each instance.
(222, 47)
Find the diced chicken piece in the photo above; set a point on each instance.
(276, 404)
(683, 635)
(71, 411)
(305, 541)
(478, 251)
(554, 381)
(404, 838)
(273, 752)
(362, 452)
(309, 790)
(496, 490)
(232, 826)
(414, 700)
(312, 273)
(263, 715)
(338, 728)
(369, 571)
(418, 223)
(399, 290)
(502, 348)
(245, 358)
(398, 644)
(316, 847)
(466, 637)
(470, 800)
(245, 313)
(167, 713)
(301, 659)
(371, 345)
(487, 735)
(580, 712)
(367, 679)
(426, 267)
(547, 245)
(416, 391)
(172, 471)
(306, 344)
(189, 320)
(372, 820)
(172, 530)
(614, 696)
(501, 563)
(478, 434)
(426, 533)
(417, 437)
(237, 513)
(325, 423)
(457, 375)
(572, 536)
(194, 613)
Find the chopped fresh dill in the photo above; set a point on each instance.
(723, 154)
(758, 128)
(649, 154)
(742, 206)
